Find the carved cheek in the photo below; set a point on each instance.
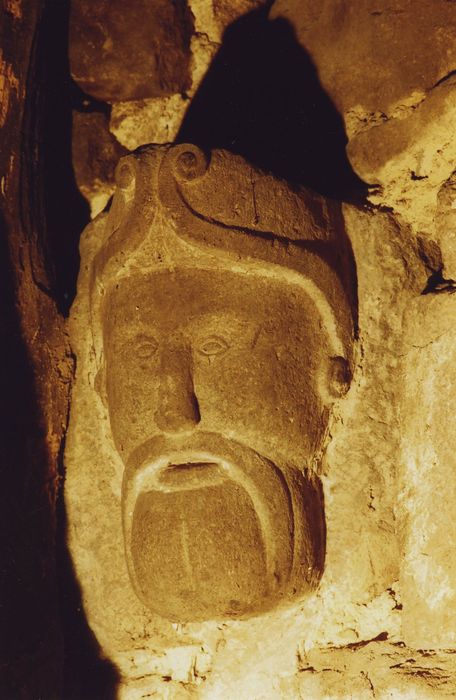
(132, 389)
(237, 393)
(300, 407)
(288, 408)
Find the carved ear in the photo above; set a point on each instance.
(100, 384)
(339, 377)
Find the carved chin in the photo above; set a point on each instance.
(200, 553)
(211, 537)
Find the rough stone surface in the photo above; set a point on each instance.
(389, 69)
(226, 507)
(95, 154)
(445, 225)
(130, 51)
(427, 489)
(158, 120)
(381, 622)
(374, 58)
(411, 158)
(387, 585)
(149, 121)
(35, 374)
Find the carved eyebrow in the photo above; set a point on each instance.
(144, 338)
(130, 338)
(229, 321)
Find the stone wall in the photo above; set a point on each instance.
(382, 623)
(355, 100)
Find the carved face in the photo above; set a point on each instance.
(213, 386)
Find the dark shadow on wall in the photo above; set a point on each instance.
(262, 99)
(47, 159)
(29, 628)
(34, 663)
(53, 215)
(65, 213)
(86, 674)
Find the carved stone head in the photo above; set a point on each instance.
(221, 334)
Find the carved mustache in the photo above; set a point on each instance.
(162, 453)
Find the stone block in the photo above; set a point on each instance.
(95, 154)
(427, 486)
(130, 50)
(373, 57)
(196, 411)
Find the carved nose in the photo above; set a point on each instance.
(178, 408)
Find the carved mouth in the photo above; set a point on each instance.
(190, 474)
(179, 470)
(191, 465)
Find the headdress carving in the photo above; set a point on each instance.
(253, 217)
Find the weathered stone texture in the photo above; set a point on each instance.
(370, 533)
(374, 668)
(445, 224)
(191, 313)
(157, 120)
(95, 154)
(411, 159)
(148, 121)
(389, 69)
(426, 504)
(382, 621)
(227, 11)
(36, 372)
(130, 50)
(373, 57)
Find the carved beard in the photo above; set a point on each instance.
(212, 529)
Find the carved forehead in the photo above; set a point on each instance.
(165, 215)
(171, 298)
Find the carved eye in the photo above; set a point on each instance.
(214, 345)
(146, 347)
